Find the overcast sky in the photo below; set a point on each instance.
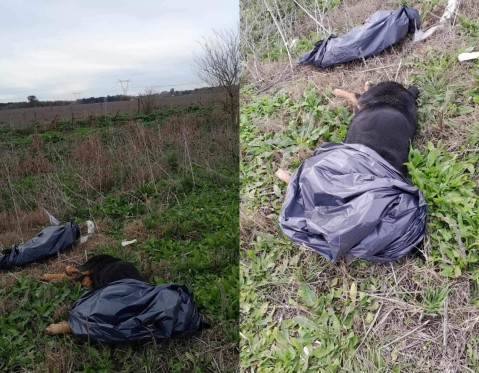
(53, 48)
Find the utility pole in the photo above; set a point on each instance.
(124, 85)
(77, 95)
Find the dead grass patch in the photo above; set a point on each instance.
(135, 230)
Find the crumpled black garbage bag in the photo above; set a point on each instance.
(381, 30)
(49, 241)
(131, 311)
(346, 201)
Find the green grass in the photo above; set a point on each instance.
(448, 183)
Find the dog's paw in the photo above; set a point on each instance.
(72, 270)
(52, 329)
(337, 92)
(283, 175)
(60, 328)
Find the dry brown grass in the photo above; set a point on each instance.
(402, 320)
(58, 358)
(136, 230)
(253, 222)
(125, 156)
(19, 226)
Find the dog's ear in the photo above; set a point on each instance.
(413, 91)
(357, 106)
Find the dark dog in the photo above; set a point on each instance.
(97, 272)
(385, 120)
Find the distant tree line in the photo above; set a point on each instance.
(33, 101)
(94, 100)
(30, 104)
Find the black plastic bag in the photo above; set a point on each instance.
(381, 30)
(347, 201)
(49, 241)
(132, 311)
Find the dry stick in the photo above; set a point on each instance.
(23, 199)
(311, 16)
(405, 335)
(474, 150)
(395, 301)
(455, 13)
(397, 72)
(161, 168)
(379, 68)
(14, 202)
(475, 320)
(280, 33)
(394, 275)
(324, 94)
(152, 175)
(188, 154)
(445, 326)
(281, 79)
(370, 327)
(316, 11)
(383, 320)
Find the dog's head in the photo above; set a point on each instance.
(389, 93)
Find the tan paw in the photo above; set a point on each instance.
(60, 328)
(283, 175)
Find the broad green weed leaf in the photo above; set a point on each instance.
(307, 295)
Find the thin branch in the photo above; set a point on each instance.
(280, 33)
(312, 17)
(407, 334)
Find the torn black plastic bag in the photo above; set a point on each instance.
(347, 201)
(132, 311)
(381, 30)
(49, 241)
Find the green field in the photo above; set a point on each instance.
(168, 179)
(302, 313)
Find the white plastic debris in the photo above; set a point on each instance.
(90, 231)
(91, 227)
(450, 11)
(126, 243)
(51, 218)
(468, 56)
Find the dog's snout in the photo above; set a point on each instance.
(414, 91)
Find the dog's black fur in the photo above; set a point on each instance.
(103, 269)
(386, 121)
